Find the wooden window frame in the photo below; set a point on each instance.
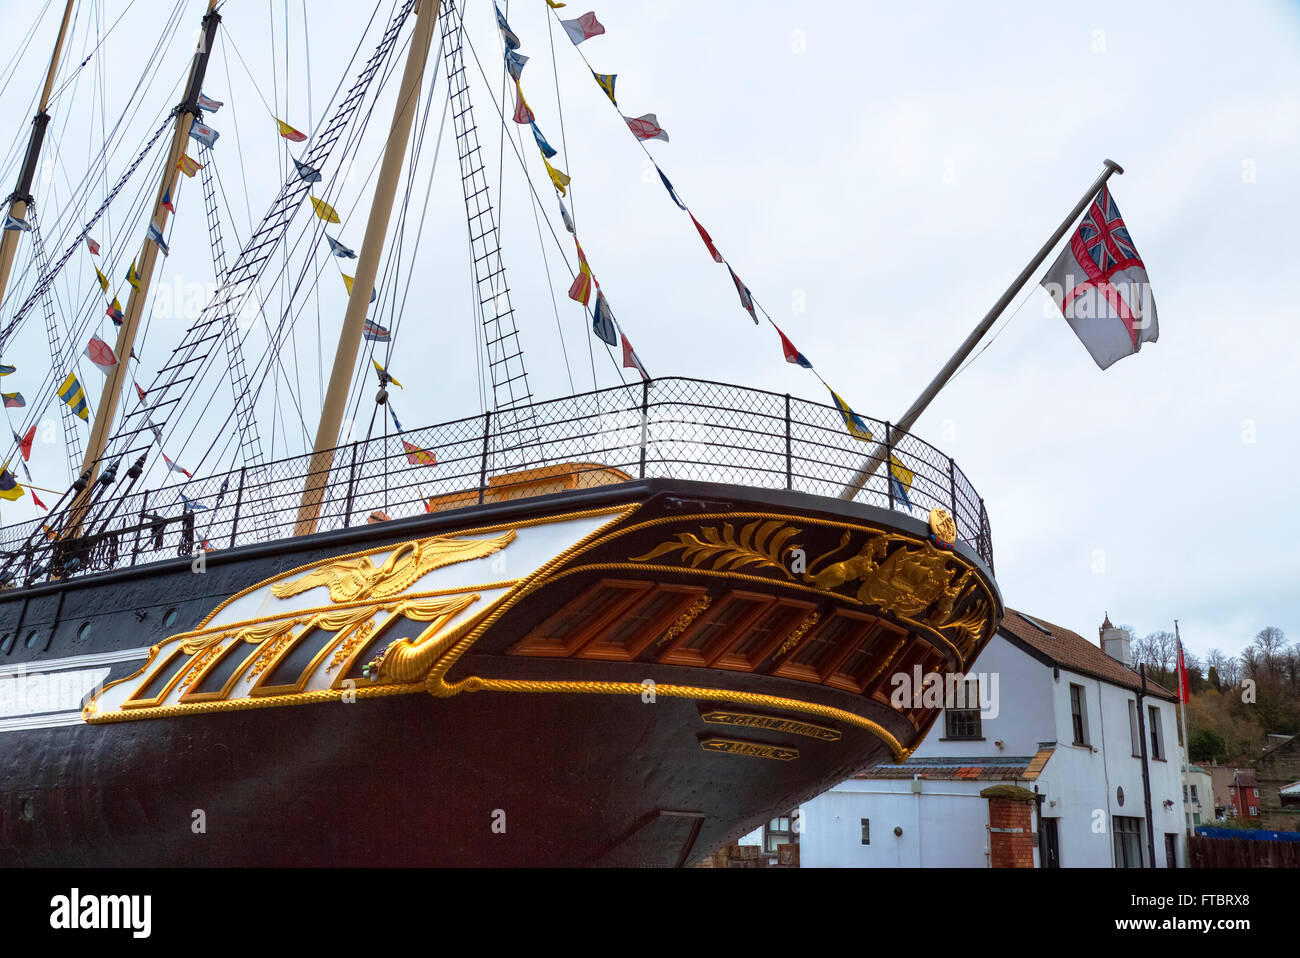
(951, 714)
(678, 654)
(788, 668)
(1079, 731)
(593, 648)
(734, 661)
(536, 643)
(1155, 728)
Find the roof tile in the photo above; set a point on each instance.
(1072, 651)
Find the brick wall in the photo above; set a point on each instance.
(1011, 837)
(1280, 766)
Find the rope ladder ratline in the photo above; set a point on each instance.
(191, 356)
(511, 395)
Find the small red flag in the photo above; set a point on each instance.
(792, 354)
(630, 359)
(1184, 687)
(37, 499)
(140, 391)
(708, 240)
(25, 445)
(93, 246)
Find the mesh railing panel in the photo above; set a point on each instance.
(668, 428)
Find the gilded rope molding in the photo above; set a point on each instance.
(234, 705)
(478, 684)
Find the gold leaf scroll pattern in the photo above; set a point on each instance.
(908, 581)
(349, 645)
(356, 579)
(685, 619)
(759, 543)
(409, 659)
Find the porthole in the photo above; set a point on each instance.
(31, 638)
(7, 643)
(169, 617)
(84, 632)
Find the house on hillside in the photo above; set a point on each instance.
(1278, 778)
(1198, 796)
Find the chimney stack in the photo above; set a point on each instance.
(1116, 642)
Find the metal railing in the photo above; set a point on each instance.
(666, 428)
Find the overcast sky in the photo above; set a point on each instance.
(889, 167)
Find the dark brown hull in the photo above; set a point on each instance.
(541, 759)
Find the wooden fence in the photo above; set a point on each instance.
(1242, 853)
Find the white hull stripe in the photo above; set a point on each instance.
(74, 662)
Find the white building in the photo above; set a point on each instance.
(1064, 719)
(1198, 793)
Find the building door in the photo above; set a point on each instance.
(1049, 856)
(1171, 850)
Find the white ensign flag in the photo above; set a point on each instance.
(1100, 285)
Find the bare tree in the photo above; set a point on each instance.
(1230, 672)
(1270, 643)
(1158, 651)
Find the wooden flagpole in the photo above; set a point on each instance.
(904, 425)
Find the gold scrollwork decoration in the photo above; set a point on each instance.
(349, 645)
(356, 579)
(408, 660)
(797, 635)
(759, 543)
(685, 619)
(200, 662)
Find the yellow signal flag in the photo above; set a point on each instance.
(132, 276)
(901, 472)
(9, 487)
(385, 373)
(289, 133)
(558, 177)
(324, 210)
(553, 5)
(71, 393)
(103, 280)
(188, 165)
(852, 422)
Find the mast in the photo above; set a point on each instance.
(21, 198)
(185, 112)
(381, 207)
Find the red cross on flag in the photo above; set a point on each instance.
(1100, 285)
